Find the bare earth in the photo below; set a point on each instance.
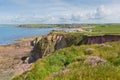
(10, 58)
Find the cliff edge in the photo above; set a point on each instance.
(46, 44)
(50, 43)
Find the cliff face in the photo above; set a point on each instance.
(50, 43)
(102, 39)
(47, 44)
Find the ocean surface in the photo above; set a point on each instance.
(9, 34)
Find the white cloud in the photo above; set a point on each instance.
(100, 13)
(104, 13)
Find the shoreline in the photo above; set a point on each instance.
(11, 63)
(11, 55)
(16, 33)
(18, 40)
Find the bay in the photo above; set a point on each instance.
(9, 34)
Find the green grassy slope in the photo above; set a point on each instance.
(69, 63)
(113, 29)
(72, 58)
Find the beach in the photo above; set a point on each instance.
(11, 58)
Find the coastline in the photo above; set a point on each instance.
(10, 34)
(11, 63)
(11, 55)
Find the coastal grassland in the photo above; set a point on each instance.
(105, 29)
(95, 30)
(88, 29)
(72, 59)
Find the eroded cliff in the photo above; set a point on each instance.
(50, 43)
(102, 39)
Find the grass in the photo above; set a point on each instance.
(85, 72)
(97, 30)
(52, 66)
(106, 29)
(72, 38)
(72, 58)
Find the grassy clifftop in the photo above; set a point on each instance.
(74, 63)
(47, 44)
(106, 29)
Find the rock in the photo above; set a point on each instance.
(25, 59)
(21, 69)
(61, 43)
(95, 61)
(47, 44)
(102, 39)
(65, 70)
(105, 45)
(89, 51)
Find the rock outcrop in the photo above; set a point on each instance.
(47, 44)
(95, 61)
(102, 39)
(50, 43)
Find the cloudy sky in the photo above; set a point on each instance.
(59, 11)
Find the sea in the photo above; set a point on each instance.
(10, 34)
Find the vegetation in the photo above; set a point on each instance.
(73, 59)
(74, 63)
(67, 25)
(72, 38)
(51, 25)
(56, 40)
(105, 29)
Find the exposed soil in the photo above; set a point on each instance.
(102, 39)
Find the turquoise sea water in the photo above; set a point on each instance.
(8, 34)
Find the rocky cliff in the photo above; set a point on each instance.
(47, 44)
(50, 43)
(102, 39)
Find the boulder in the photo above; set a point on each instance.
(95, 60)
(89, 51)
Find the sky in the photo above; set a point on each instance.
(59, 11)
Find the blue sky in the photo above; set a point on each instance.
(59, 11)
